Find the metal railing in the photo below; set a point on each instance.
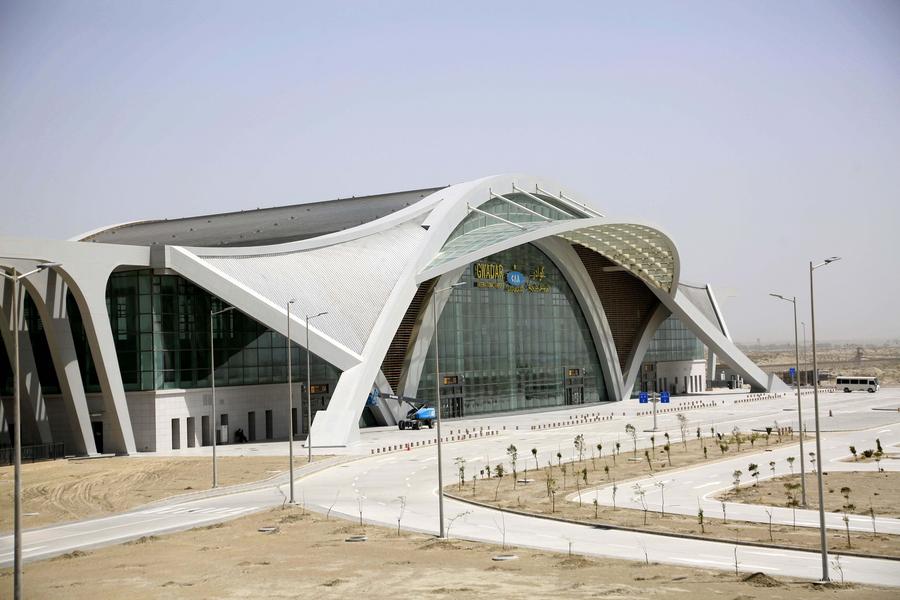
(34, 453)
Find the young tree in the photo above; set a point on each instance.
(599, 450)
(641, 496)
(772, 467)
(402, 500)
(736, 478)
(878, 446)
(768, 434)
(704, 453)
(563, 469)
(724, 515)
(596, 507)
(771, 537)
(683, 424)
(790, 462)
(559, 458)
(853, 452)
(812, 461)
(845, 492)
(498, 470)
(579, 447)
(723, 448)
(668, 450)
(460, 463)
(700, 517)
(738, 438)
(606, 471)
(753, 437)
(618, 446)
(791, 489)
(630, 430)
(699, 440)
(878, 456)
(615, 489)
(649, 462)
(847, 528)
(552, 488)
(653, 445)
(662, 490)
(753, 469)
(534, 454)
(513, 454)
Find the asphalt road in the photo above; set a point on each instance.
(373, 486)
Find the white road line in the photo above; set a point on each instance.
(705, 485)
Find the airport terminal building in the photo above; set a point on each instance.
(530, 296)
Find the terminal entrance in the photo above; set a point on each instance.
(451, 397)
(574, 386)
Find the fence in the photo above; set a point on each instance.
(34, 453)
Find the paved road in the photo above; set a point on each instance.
(374, 484)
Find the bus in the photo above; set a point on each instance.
(857, 383)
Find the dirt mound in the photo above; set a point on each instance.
(762, 580)
(575, 562)
(72, 554)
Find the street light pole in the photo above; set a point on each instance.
(17, 431)
(309, 392)
(793, 301)
(805, 353)
(212, 382)
(437, 387)
(290, 404)
(815, 368)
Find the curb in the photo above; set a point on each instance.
(685, 536)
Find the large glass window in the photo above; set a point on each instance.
(160, 324)
(511, 338)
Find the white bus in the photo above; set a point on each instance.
(857, 383)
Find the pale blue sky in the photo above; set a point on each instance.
(721, 122)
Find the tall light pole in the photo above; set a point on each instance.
(212, 382)
(17, 430)
(793, 300)
(812, 323)
(437, 404)
(309, 392)
(805, 353)
(290, 384)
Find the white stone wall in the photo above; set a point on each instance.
(152, 413)
(678, 373)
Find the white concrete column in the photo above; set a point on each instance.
(35, 423)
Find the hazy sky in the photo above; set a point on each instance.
(759, 135)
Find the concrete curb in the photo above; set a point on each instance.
(686, 536)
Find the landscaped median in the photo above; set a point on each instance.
(541, 489)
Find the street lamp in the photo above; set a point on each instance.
(17, 430)
(290, 384)
(212, 382)
(437, 389)
(812, 323)
(805, 353)
(309, 392)
(793, 300)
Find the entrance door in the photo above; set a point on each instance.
(97, 427)
(574, 386)
(251, 426)
(205, 438)
(191, 432)
(269, 428)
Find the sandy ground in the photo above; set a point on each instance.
(867, 489)
(533, 498)
(67, 490)
(881, 361)
(308, 557)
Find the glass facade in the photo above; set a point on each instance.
(673, 341)
(160, 324)
(511, 338)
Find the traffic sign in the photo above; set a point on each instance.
(664, 397)
(793, 372)
(643, 398)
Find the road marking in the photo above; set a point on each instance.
(705, 485)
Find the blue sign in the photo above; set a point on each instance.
(515, 278)
(643, 398)
(664, 397)
(793, 372)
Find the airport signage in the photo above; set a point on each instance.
(664, 397)
(643, 398)
(497, 276)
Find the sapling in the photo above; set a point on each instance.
(772, 467)
(549, 476)
(596, 507)
(666, 435)
(878, 456)
(845, 492)
(552, 488)
(868, 453)
(606, 471)
(700, 518)
(452, 519)
(682, 424)
(878, 445)
(498, 471)
(618, 447)
(704, 453)
(534, 454)
(564, 471)
(513, 454)
(474, 476)
(649, 462)
(736, 478)
(584, 476)
(771, 537)
(599, 450)
(872, 514)
(653, 444)
(753, 437)
(577, 487)
(579, 446)
(738, 438)
(641, 496)
(724, 515)
(559, 458)
(836, 565)
(668, 450)
(790, 462)
(847, 527)
(791, 489)
(753, 469)
(630, 430)
(615, 489)
(723, 448)
(812, 461)
(593, 459)
(328, 512)
(402, 500)
(699, 441)
(853, 452)
(460, 463)
(662, 491)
